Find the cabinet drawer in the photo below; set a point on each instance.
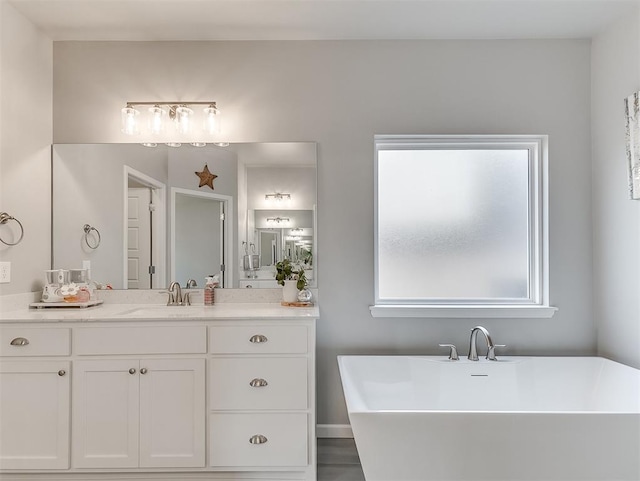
(140, 340)
(278, 383)
(257, 339)
(40, 341)
(284, 440)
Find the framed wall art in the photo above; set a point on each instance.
(632, 113)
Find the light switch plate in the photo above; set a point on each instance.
(5, 272)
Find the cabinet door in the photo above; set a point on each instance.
(105, 414)
(172, 413)
(34, 415)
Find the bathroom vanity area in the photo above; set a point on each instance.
(146, 391)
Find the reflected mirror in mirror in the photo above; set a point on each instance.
(157, 225)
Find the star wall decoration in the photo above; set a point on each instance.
(206, 177)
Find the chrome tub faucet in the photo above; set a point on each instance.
(491, 347)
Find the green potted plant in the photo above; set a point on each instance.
(291, 278)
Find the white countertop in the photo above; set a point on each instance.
(158, 312)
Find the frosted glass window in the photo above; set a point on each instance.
(456, 222)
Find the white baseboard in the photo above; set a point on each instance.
(334, 431)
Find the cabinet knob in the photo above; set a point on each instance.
(258, 439)
(143, 370)
(258, 338)
(61, 372)
(132, 371)
(19, 341)
(258, 382)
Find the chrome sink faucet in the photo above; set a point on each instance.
(175, 294)
(177, 297)
(491, 347)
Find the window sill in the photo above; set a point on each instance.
(463, 312)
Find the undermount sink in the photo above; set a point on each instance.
(164, 311)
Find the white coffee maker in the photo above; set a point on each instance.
(55, 279)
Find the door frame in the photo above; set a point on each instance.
(159, 229)
(227, 250)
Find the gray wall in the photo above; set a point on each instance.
(616, 219)
(340, 94)
(26, 70)
(84, 194)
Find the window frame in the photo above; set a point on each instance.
(537, 304)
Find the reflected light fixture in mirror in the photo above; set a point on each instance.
(277, 220)
(278, 196)
(181, 113)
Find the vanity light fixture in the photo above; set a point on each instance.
(181, 113)
(278, 196)
(277, 220)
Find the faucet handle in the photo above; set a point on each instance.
(186, 297)
(170, 301)
(491, 353)
(453, 351)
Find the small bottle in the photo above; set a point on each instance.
(209, 298)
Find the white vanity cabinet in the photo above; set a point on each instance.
(262, 397)
(34, 398)
(139, 412)
(131, 413)
(196, 398)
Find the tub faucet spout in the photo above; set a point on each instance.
(473, 349)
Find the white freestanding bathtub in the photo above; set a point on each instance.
(515, 419)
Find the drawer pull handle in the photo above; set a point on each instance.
(132, 371)
(20, 341)
(143, 370)
(258, 338)
(258, 439)
(258, 382)
(61, 372)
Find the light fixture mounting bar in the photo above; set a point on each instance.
(131, 104)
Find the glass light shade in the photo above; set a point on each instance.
(211, 123)
(156, 119)
(183, 119)
(129, 121)
(173, 144)
(199, 144)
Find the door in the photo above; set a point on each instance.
(172, 413)
(198, 236)
(34, 415)
(105, 414)
(139, 238)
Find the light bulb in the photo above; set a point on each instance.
(156, 119)
(211, 119)
(183, 119)
(129, 121)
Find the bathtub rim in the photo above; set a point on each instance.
(357, 405)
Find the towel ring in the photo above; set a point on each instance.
(87, 230)
(4, 218)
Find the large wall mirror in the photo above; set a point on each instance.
(138, 217)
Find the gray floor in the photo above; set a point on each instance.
(338, 460)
